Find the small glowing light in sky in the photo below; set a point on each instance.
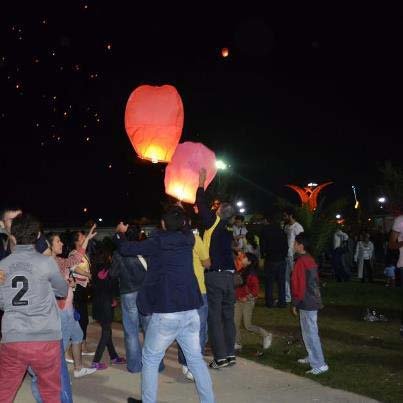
(242, 210)
(87, 139)
(85, 209)
(110, 166)
(100, 219)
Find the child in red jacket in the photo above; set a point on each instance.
(246, 295)
(306, 298)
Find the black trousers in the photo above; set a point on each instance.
(105, 341)
(221, 304)
(275, 273)
(367, 271)
(81, 305)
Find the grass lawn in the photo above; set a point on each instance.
(364, 357)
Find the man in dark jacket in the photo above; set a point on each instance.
(274, 250)
(131, 271)
(219, 279)
(171, 294)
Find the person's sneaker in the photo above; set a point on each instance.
(267, 341)
(99, 366)
(231, 360)
(84, 372)
(318, 371)
(217, 364)
(188, 375)
(238, 346)
(89, 353)
(118, 360)
(69, 360)
(303, 360)
(133, 400)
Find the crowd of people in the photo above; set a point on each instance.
(194, 280)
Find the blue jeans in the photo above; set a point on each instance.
(163, 329)
(203, 313)
(310, 335)
(132, 321)
(66, 395)
(71, 329)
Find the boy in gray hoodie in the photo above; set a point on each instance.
(31, 323)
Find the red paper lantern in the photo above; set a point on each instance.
(154, 121)
(182, 173)
(224, 52)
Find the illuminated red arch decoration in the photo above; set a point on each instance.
(309, 194)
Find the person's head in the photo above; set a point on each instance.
(174, 219)
(249, 261)
(226, 211)
(239, 220)
(102, 258)
(215, 205)
(251, 238)
(78, 239)
(55, 243)
(25, 229)
(366, 237)
(301, 244)
(289, 215)
(8, 215)
(133, 233)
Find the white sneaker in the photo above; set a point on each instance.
(90, 353)
(303, 360)
(188, 375)
(84, 372)
(267, 341)
(318, 371)
(69, 361)
(238, 346)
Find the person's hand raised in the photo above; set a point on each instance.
(202, 177)
(92, 232)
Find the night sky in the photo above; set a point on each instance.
(306, 94)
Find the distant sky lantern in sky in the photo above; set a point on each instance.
(182, 173)
(154, 121)
(224, 52)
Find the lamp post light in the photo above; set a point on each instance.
(221, 165)
(242, 210)
(239, 203)
(338, 216)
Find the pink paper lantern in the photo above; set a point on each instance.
(182, 173)
(154, 121)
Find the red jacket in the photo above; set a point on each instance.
(305, 290)
(251, 287)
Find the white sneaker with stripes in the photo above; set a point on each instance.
(318, 371)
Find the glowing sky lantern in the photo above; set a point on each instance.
(154, 121)
(182, 173)
(224, 52)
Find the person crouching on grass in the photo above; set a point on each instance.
(307, 300)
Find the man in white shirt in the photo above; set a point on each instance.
(292, 228)
(240, 231)
(339, 248)
(396, 242)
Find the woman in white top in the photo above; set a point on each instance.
(364, 254)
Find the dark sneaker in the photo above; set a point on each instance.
(118, 360)
(217, 364)
(231, 360)
(133, 400)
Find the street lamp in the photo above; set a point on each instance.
(338, 216)
(382, 199)
(240, 203)
(242, 210)
(220, 164)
